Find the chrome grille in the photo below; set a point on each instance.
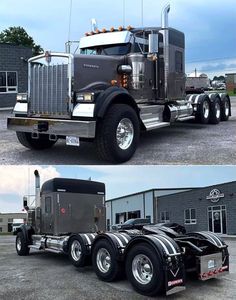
(49, 86)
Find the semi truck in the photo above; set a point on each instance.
(69, 217)
(123, 81)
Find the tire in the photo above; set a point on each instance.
(144, 270)
(37, 144)
(22, 248)
(225, 108)
(215, 111)
(119, 118)
(105, 264)
(203, 111)
(77, 251)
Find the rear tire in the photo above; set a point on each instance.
(215, 111)
(37, 144)
(203, 111)
(144, 270)
(118, 134)
(77, 252)
(225, 108)
(22, 248)
(105, 264)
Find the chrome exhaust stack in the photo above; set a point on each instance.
(165, 27)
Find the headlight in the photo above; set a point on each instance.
(22, 97)
(85, 97)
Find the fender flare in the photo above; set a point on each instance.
(86, 238)
(111, 95)
(119, 241)
(163, 245)
(27, 231)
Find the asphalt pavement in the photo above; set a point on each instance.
(49, 276)
(183, 143)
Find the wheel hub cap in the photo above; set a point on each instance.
(142, 269)
(103, 260)
(76, 250)
(206, 109)
(217, 108)
(18, 244)
(124, 133)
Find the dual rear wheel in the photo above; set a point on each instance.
(213, 110)
(142, 266)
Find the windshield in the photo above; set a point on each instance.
(118, 49)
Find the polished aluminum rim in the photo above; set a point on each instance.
(227, 108)
(206, 109)
(103, 260)
(217, 108)
(76, 250)
(18, 244)
(125, 133)
(142, 269)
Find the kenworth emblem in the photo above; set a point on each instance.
(215, 195)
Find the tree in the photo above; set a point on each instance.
(19, 36)
(219, 78)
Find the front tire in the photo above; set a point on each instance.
(22, 248)
(105, 264)
(41, 143)
(144, 270)
(118, 134)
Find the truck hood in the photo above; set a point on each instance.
(89, 69)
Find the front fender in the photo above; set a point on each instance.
(111, 95)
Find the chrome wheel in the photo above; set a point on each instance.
(103, 260)
(18, 244)
(76, 250)
(217, 110)
(142, 269)
(226, 108)
(206, 109)
(125, 133)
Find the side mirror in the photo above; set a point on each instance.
(153, 43)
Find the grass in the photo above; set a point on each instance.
(231, 93)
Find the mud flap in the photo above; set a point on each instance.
(175, 278)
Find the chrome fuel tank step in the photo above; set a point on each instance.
(152, 116)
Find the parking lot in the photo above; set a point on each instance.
(184, 143)
(51, 276)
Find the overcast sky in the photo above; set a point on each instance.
(17, 181)
(209, 26)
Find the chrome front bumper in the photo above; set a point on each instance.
(58, 127)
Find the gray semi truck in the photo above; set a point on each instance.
(69, 217)
(123, 81)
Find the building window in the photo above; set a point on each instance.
(0, 229)
(1, 220)
(10, 220)
(165, 216)
(190, 216)
(178, 62)
(8, 82)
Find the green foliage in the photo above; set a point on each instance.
(18, 36)
(219, 78)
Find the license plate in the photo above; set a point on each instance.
(72, 141)
(211, 264)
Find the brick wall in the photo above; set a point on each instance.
(196, 198)
(14, 58)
